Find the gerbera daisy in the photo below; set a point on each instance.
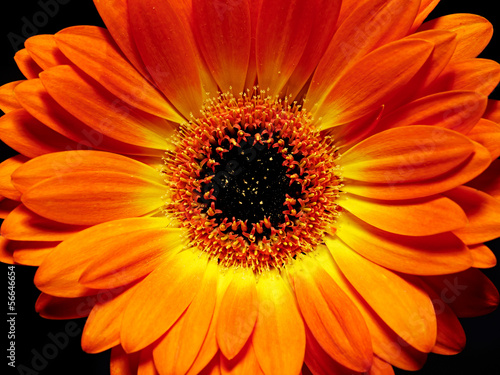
(257, 187)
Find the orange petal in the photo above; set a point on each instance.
(492, 111)
(59, 163)
(406, 154)
(482, 256)
(455, 110)
(483, 212)
(322, 31)
(87, 100)
(93, 50)
(209, 348)
(114, 13)
(355, 131)
(244, 363)
(43, 49)
(478, 75)
(36, 100)
(450, 334)
(470, 168)
(24, 225)
(26, 64)
(473, 32)
(405, 308)
(7, 167)
(489, 180)
(487, 133)
(61, 270)
(87, 198)
(469, 293)
(251, 76)
(364, 87)
(31, 253)
(319, 361)
(102, 328)
(176, 352)
(380, 367)
(368, 25)
(8, 101)
(281, 41)
(7, 206)
(445, 43)
(148, 247)
(50, 307)
(6, 254)
(25, 134)
(416, 217)
(279, 325)
(167, 47)
(223, 32)
(146, 363)
(426, 7)
(332, 318)
(213, 368)
(238, 313)
(422, 255)
(160, 299)
(387, 344)
(122, 363)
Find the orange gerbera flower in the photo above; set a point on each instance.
(257, 187)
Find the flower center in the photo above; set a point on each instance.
(253, 182)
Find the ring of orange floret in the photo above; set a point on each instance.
(271, 126)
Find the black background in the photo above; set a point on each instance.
(482, 353)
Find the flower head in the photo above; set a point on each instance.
(257, 187)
